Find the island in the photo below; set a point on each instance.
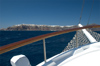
(33, 27)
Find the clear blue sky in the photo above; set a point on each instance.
(47, 12)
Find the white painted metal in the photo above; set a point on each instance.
(20, 60)
(88, 35)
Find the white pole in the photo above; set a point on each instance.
(88, 35)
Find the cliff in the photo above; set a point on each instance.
(32, 27)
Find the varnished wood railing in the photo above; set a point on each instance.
(18, 44)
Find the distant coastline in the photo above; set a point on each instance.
(33, 27)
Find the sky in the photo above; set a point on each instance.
(47, 12)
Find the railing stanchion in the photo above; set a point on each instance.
(44, 48)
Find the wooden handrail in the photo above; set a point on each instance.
(18, 44)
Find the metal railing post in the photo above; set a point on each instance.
(44, 48)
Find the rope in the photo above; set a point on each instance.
(81, 11)
(90, 13)
(82, 39)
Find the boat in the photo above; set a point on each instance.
(82, 50)
(85, 55)
(74, 54)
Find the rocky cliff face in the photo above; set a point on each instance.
(32, 27)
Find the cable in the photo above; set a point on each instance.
(90, 13)
(81, 11)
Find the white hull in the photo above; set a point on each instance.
(88, 55)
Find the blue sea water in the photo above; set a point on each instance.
(34, 51)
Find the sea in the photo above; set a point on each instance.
(33, 51)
